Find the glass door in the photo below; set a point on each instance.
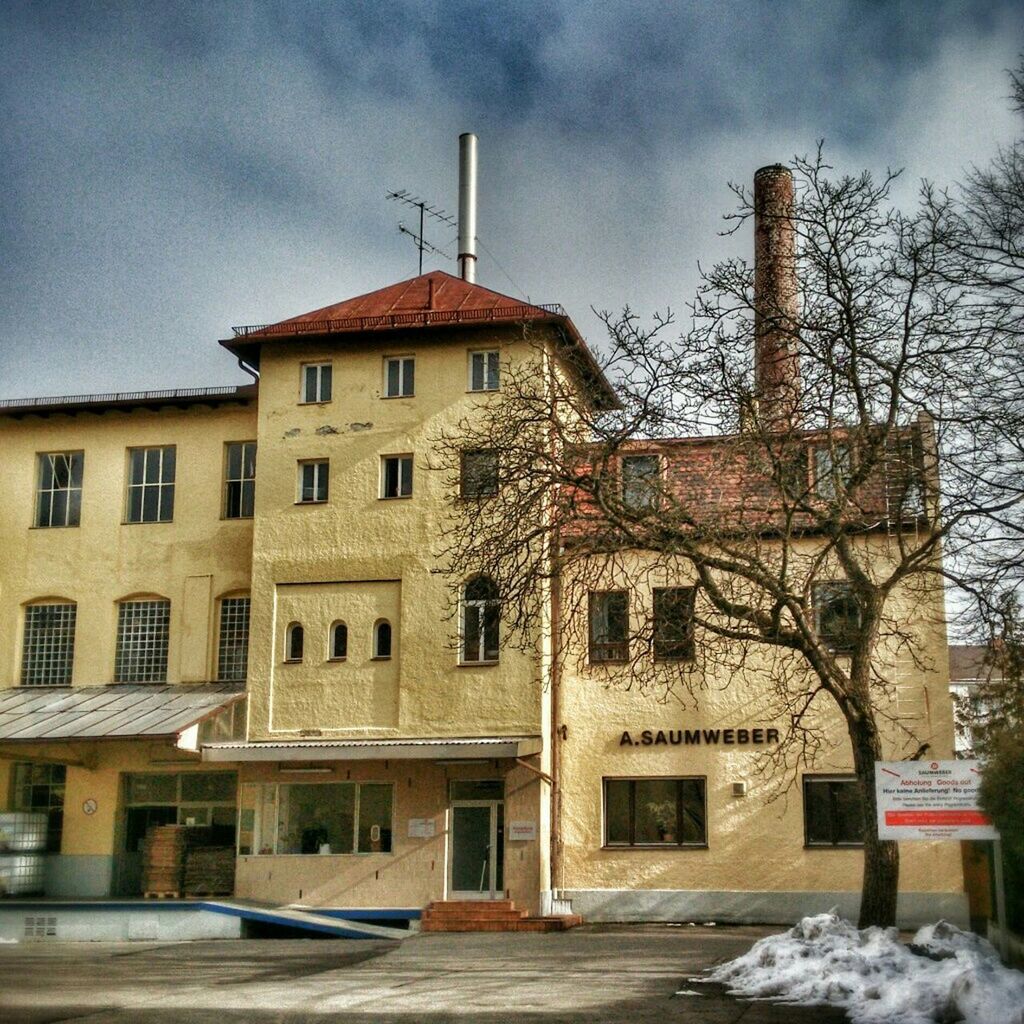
(477, 842)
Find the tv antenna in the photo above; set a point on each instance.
(426, 210)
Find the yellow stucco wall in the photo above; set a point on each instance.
(192, 560)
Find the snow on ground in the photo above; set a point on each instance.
(953, 975)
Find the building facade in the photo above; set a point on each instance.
(223, 607)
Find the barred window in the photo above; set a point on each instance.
(233, 639)
(239, 479)
(143, 629)
(59, 497)
(48, 649)
(151, 485)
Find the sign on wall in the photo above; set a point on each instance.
(930, 800)
(421, 828)
(521, 831)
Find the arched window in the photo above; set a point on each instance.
(339, 641)
(481, 612)
(382, 639)
(293, 642)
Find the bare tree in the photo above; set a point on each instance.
(796, 492)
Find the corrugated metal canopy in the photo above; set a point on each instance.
(108, 712)
(453, 748)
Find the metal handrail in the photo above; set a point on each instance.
(411, 319)
(121, 396)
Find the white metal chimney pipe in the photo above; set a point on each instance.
(467, 207)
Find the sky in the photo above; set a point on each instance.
(171, 170)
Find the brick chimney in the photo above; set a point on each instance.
(776, 358)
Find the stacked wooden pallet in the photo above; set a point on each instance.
(210, 871)
(163, 860)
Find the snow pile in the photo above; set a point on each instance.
(955, 976)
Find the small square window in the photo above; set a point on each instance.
(313, 476)
(641, 483)
(609, 627)
(399, 377)
(316, 382)
(59, 489)
(396, 476)
(479, 478)
(151, 485)
(484, 371)
(239, 479)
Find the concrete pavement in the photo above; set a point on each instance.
(620, 974)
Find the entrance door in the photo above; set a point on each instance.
(476, 868)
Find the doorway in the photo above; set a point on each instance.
(476, 856)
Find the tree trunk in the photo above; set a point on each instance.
(881, 856)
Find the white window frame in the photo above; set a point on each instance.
(246, 484)
(487, 357)
(321, 474)
(135, 645)
(73, 491)
(474, 616)
(318, 375)
(405, 462)
(48, 651)
(227, 640)
(162, 485)
(406, 370)
(288, 635)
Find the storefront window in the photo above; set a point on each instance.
(833, 812)
(314, 818)
(655, 812)
(182, 798)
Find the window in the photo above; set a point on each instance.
(396, 476)
(315, 818)
(673, 623)
(48, 646)
(59, 497)
(293, 641)
(151, 484)
(399, 376)
(313, 481)
(655, 812)
(481, 612)
(339, 642)
(833, 812)
(233, 639)
(39, 788)
(382, 639)
(182, 798)
(836, 615)
(239, 479)
(483, 371)
(479, 478)
(142, 639)
(316, 382)
(641, 485)
(609, 626)
(831, 470)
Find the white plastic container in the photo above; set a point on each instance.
(22, 874)
(22, 831)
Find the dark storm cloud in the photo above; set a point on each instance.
(171, 169)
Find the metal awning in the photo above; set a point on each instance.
(434, 748)
(120, 711)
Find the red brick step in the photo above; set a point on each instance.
(489, 916)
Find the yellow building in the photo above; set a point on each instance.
(222, 607)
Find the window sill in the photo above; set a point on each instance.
(381, 657)
(656, 846)
(292, 661)
(390, 397)
(144, 522)
(482, 391)
(236, 519)
(833, 846)
(478, 664)
(335, 661)
(325, 401)
(58, 526)
(324, 502)
(395, 497)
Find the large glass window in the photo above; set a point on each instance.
(233, 639)
(833, 811)
(479, 478)
(48, 646)
(481, 613)
(484, 369)
(655, 812)
(673, 623)
(184, 798)
(641, 483)
(399, 376)
(59, 497)
(314, 818)
(151, 485)
(143, 636)
(609, 626)
(239, 479)
(40, 788)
